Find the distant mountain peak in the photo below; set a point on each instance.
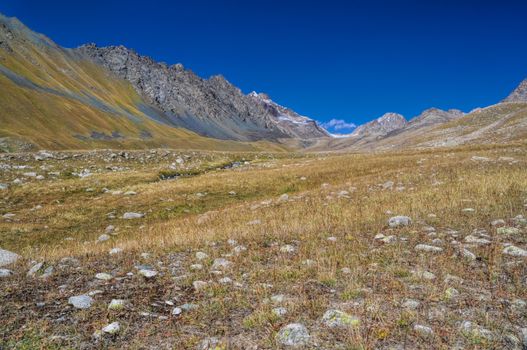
(383, 125)
(519, 94)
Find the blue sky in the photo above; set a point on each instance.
(343, 60)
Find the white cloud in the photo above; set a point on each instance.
(338, 125)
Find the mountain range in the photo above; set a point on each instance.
(112, 97)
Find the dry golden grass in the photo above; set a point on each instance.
(179, 222)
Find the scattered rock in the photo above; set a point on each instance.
(199, 285)
(398, 221)
(508, 231)
(428, 248)
(114, 251)
(5, 273)
(148, 273)
(103, 276)
(411, 304)
(221, 263)
(102, 238)
(287, 248)
(294, 334)
(201, 256)
(117, 304)
(81, 301)
(112, 328)
(7, 257)
(514, 251)
(131, 215)
(335, 318)
(34, 269)
(423, 330)
(279, 311)
(473, 330)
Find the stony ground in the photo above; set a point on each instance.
(175, 250)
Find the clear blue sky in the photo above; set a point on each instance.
(350, 60)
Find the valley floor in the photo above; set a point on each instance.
(190, 250)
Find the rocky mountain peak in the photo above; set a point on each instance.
(383, 125)
(519, 94)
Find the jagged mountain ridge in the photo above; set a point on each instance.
(211, 107)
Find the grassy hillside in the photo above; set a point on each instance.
(54, 99)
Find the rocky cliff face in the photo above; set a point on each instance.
(381, 126)
(519, 94)
(211, 107)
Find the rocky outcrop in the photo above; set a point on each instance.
(519, 94)
(210, 107)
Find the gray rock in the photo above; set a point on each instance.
(221, 263)
(116, 304)
(336, 318)
(399, 221)
(103, 276)
(201, 256)
(81, 301)
(428, 248)
(473, 330)
(7, 257)
(515, 251)
(103, 238)
(411, 304)
(34, 269)
(507, 231)
(294, 334)
(212, 343)
(112, 328)
(147, 273)
(423, 330)
(279, 311)
(132, 215)
(5, 273)
(287, 248)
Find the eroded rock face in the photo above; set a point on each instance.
(210, 107)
